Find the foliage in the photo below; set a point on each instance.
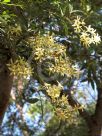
(53, 38)
(55, 127)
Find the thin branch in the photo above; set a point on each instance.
(42, 111)
(83, 113)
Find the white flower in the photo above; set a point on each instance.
(78, 23)
(87, 34)
(85, 39)
(97, 38)
(90, 30)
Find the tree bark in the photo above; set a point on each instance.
(95, 130)
(6, 81)
(96, 123)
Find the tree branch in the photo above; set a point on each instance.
(83, 113)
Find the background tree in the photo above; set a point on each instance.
(31, 37)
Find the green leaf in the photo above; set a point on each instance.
(32, 100)
(6, 1)
(92, 84)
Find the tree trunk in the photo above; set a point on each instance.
(96, 121)
(6, 81)
(95, 130)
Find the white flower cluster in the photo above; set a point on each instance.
(87, 34)
(78, 24)
(20, 68)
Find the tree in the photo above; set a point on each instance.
(47, 40)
